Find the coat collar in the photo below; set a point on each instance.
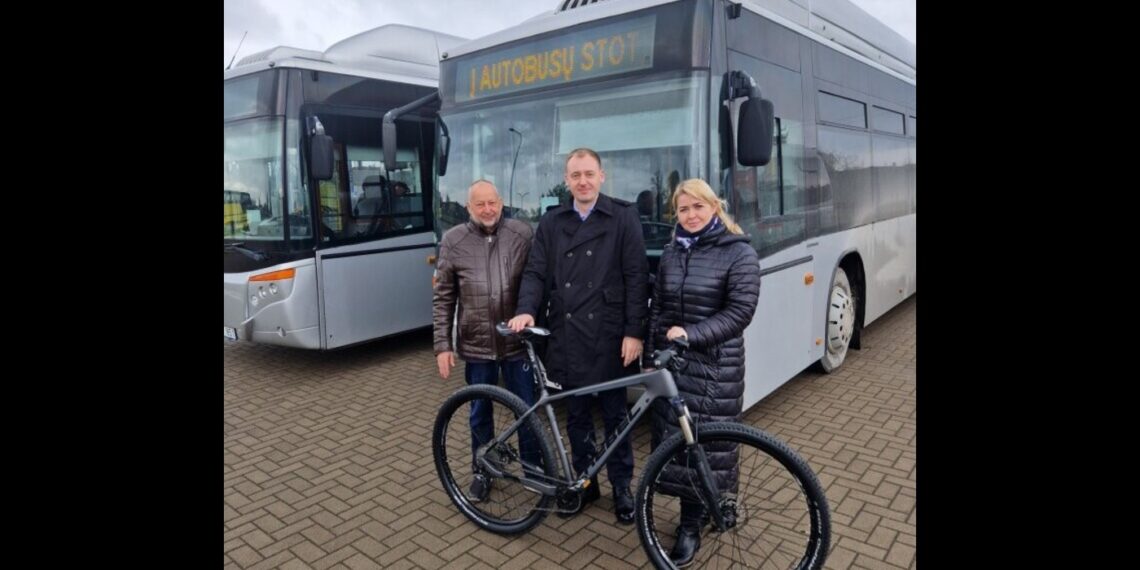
(594, 226)
(478, 228)
(605, 205)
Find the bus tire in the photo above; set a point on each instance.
(840, 327)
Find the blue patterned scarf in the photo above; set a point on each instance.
(687, 238)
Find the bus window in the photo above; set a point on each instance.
(363, 200)
(237, 209)
(769, 201)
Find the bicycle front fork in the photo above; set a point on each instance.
(722, 518)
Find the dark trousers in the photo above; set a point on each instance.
(580, 428)
(519, 379)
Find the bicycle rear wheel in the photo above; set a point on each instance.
(508, 507)
(780, 511)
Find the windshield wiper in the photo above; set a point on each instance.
(254, 255)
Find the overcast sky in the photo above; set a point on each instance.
(317, 25)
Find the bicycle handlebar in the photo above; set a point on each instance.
(671, 357)
(505, 330)
(665, 358)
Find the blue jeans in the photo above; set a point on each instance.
(520, 381)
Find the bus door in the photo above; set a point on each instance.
(769, 204)
(375, 231)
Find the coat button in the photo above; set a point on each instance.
(567, 284)
(588, 252)
(571, 254)
(568, 315)
(589, 284)
(590, 316)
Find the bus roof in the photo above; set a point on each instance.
(835, 23)
(848, 25)
(394, 52)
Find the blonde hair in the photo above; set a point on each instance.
(700, 190)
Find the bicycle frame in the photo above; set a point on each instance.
(658, 384)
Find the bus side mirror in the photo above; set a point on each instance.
(443, 143)
(321, 156)
(754, 132)
(388, 143)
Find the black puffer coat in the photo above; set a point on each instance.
(711, 291)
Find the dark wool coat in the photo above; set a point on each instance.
(593, 275)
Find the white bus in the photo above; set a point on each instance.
(324, 246)
(666, 90)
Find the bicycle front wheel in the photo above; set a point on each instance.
(464, 426)
(778, 507)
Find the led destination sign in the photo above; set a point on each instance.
(605, 50)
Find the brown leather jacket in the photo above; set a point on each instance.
(481, 269)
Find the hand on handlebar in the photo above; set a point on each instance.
(520, 322)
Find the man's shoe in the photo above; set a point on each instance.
(623, 504)
(688, 542)
(592, 493)
(480, 488)
(589, 495)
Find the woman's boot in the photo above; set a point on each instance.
(693, 520)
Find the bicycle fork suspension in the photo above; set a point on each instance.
(698, 460)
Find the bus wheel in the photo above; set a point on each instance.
(840, 322)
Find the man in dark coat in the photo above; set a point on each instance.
(587, 273)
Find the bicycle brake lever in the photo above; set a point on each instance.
(677, 364)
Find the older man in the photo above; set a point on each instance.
(479, 269)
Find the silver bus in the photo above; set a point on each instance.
(324, 246)
(802, 115)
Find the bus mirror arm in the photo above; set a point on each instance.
(388, 127)
(740, 84)
(756, 124)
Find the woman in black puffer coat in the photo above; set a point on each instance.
(708, 283)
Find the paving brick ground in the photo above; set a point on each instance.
(328, 462)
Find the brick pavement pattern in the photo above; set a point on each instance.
(327, 462)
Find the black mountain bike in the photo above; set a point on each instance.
(776, 517)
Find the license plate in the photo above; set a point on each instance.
(230, 333)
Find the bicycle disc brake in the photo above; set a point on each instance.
(728, 508)
(497, 460)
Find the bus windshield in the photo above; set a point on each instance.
(251, 178)
(647, 134)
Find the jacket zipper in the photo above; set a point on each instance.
(494, 335)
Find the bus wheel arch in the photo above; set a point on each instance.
(844, 317)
